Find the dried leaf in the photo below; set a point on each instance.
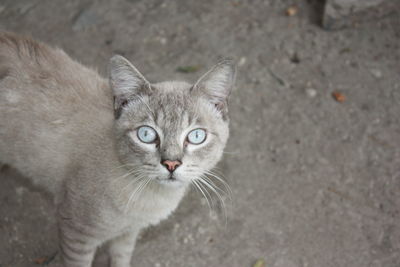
(41, 260)
(339, 97)
(188, 69)
(45, 260)
(345, 50)
(259, 263)
(291, 11)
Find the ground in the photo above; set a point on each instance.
(315, 181)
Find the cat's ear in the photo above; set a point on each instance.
(126, 82)
(217, 83)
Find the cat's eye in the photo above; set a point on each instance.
(146, 134)
(197, 136)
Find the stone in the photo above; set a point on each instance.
(343, 13)
(376, 73)
(311, 92)
(242, 61)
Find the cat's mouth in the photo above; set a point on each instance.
(170, 180)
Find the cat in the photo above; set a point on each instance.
(118, 154)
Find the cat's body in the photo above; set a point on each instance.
(65, 127)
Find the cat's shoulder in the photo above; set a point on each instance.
(23, 54)
(13, 45)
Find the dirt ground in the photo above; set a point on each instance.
(316, 182)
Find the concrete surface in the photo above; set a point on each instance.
(315, 181)
(342, 13)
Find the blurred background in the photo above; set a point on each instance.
(314, 155)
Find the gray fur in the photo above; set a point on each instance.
(73, 133)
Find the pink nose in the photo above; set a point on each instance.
(171, 165)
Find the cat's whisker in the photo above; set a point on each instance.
(148, 181)
(225, 184)
(133, 194)
(123, 165)
(118, 179)
(134, 181)
(140, 191)
(218, 171)
(207, 179)
(196, 186)
(203, 175)
(209, 196)
(130, 172)
(202, 192)
(211, 187)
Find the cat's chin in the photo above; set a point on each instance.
(170, 182)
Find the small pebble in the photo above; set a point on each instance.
(311, 92)
(376, 73)
(162, 40)
(242, 61)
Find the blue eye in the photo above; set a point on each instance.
(197, 136)
(146, 134)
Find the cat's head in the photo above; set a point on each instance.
(171, 132)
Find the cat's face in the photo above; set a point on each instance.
(171, 132)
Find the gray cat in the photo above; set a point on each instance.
(117, 154)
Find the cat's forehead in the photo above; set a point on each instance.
(173, 106)
(172, 87)
(171, 97)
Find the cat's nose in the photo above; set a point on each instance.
(171, 165)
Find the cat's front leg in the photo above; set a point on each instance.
(77, 246)
(121, 248)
